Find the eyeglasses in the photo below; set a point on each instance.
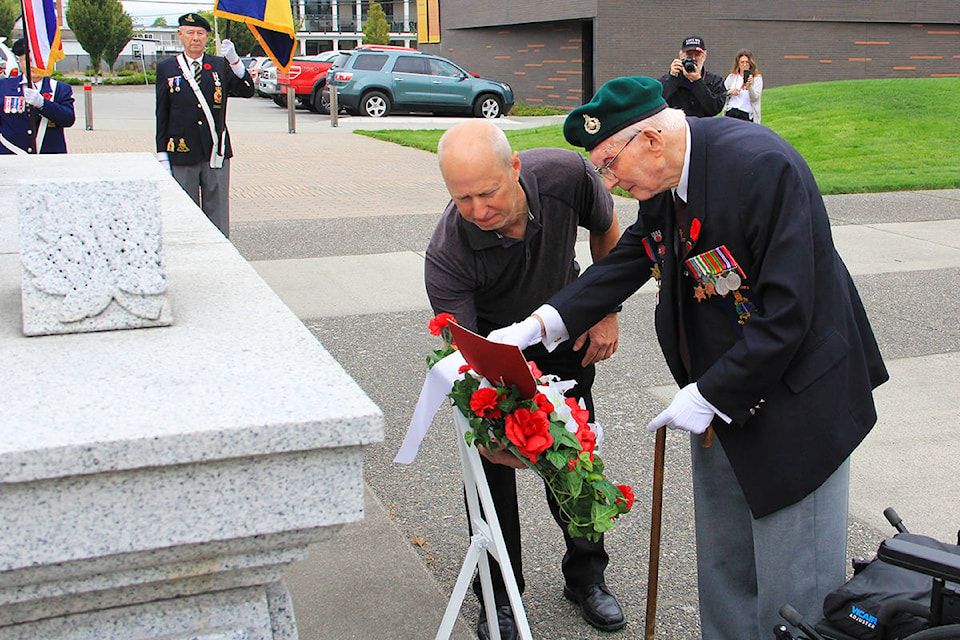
(605, 171)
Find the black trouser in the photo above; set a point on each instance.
(583, 561)
(739, 114)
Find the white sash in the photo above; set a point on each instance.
(219, 142)
(42, 130)
(12, 147)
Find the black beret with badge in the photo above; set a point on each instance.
(194, 20)
(618, 104)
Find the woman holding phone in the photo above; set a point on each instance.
(744, 86)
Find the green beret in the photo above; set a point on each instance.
(618, 104)
(194, 20)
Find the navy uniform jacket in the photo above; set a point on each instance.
(20, 128)
(797, 375)
(182, 129)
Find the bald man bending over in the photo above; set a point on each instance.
(505, 244)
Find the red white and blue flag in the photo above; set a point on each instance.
(42, 34)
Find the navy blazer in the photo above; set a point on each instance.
(791, 358)
(21, 128)
(182, 129)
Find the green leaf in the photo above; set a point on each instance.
(556, 458)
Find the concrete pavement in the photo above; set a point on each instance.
(337, 223)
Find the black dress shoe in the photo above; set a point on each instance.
(508, 627)
(598, 606)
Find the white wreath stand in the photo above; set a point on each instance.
(487, 539)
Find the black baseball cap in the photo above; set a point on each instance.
(694, 42)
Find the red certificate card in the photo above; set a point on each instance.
(496, 362)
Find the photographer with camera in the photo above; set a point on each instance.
(689, 86)
(744, 86)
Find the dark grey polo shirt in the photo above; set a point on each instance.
(488, 281)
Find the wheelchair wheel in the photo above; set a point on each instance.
(946, 632)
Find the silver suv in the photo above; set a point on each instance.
(376, 82)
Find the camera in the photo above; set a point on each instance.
(689, 64)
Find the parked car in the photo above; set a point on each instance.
(254, 66)
(9, 66)
(308, 76)
(267, 80)
(375, 82)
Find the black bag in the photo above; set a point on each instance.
(860, 607)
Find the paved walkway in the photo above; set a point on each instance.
(337, 224)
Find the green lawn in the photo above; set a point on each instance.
(858, 136)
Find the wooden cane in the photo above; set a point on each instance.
(656, 509)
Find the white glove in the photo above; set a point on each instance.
(164, 159)
(689, 411)
(228, 51)
(33, 97)
(521, 334)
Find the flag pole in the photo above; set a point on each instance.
(27, 72)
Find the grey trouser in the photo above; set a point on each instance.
(209, 189)
(747, 569)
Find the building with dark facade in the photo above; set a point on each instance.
(558, 52)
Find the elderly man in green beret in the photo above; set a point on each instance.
(762, 329)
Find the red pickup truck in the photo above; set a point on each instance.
(308, 77)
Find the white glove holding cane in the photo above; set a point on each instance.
(688, 411)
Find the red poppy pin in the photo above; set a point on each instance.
(694, 229)
(207, 66)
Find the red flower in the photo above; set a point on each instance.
(588, 439)
(484, 403)
(207, 66)
(530, 432)
(694, 230)
(627, 495)
(572, 463)
(440, 322)
(543, 404)
(464, 368)
(534, 369)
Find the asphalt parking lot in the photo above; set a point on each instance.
(337, 224)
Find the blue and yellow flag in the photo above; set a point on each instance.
(271, 22)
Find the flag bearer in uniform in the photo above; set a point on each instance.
(192, 138)
(35, 113)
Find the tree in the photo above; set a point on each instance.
(93, 22)
(159, 22)
(240, 34)
(120, 35)
(376, 30)
(9, 13)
